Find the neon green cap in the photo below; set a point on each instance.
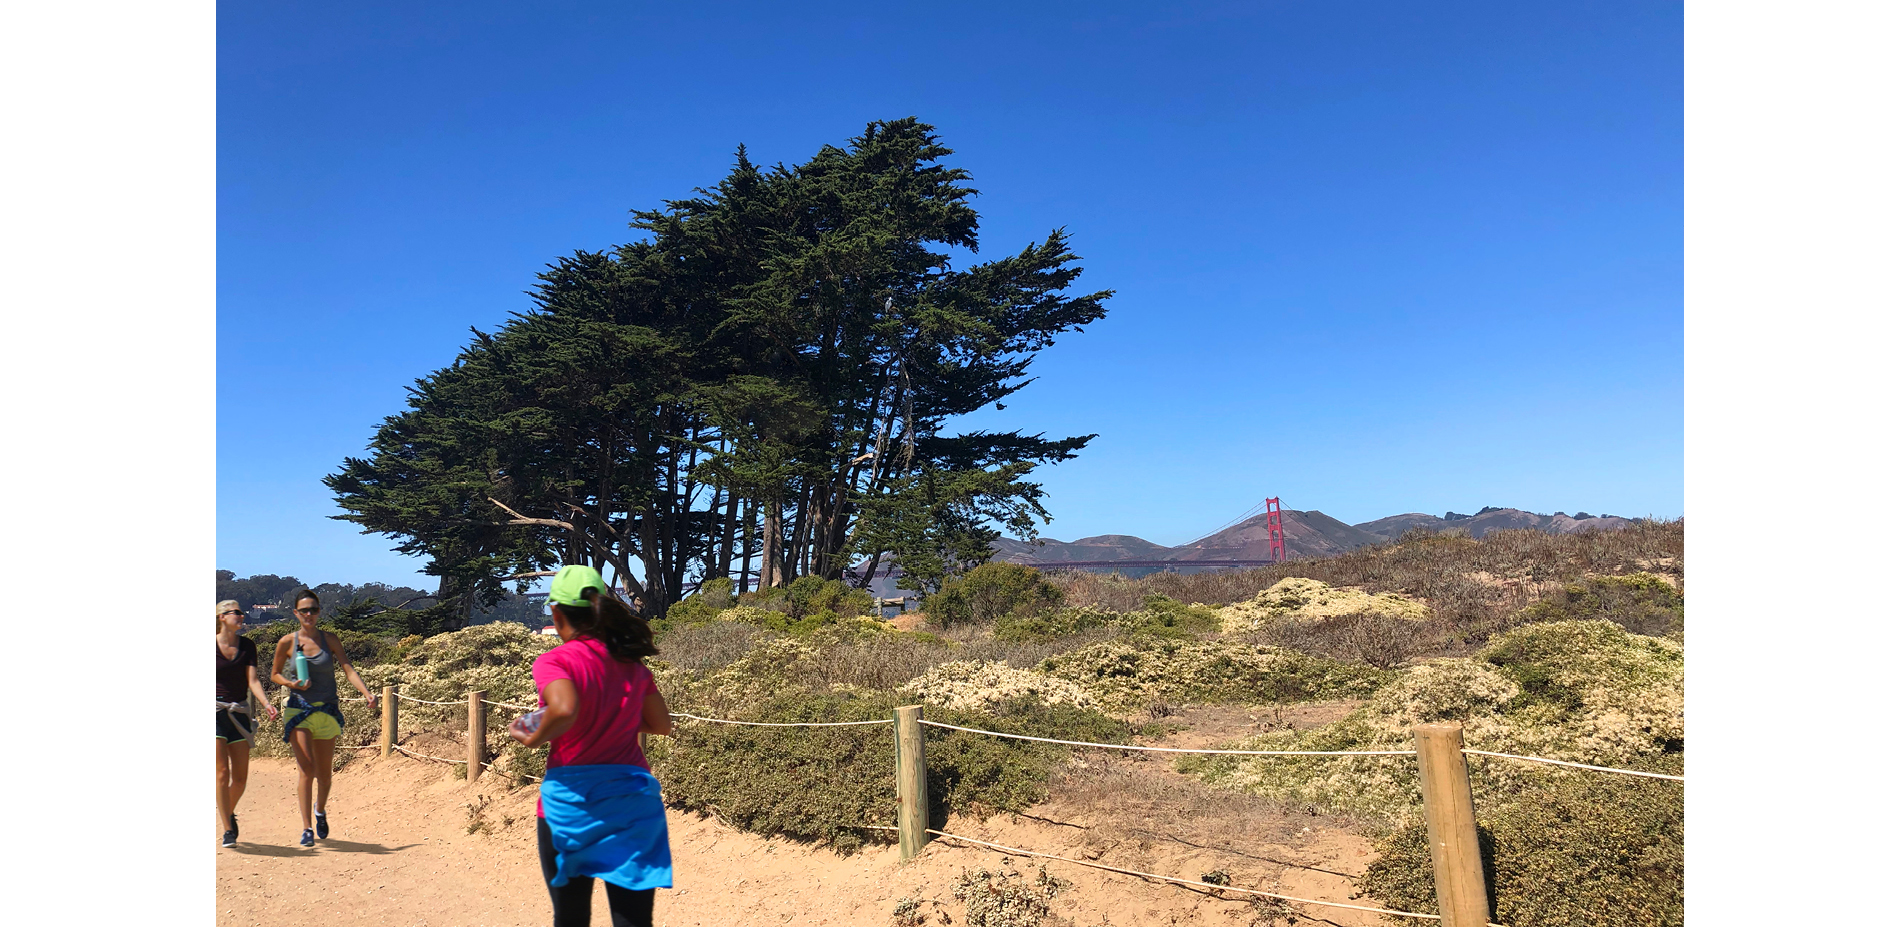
(573, 580)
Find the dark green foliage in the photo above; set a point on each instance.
(1041, 627)
(991, 593)
(1643, 603)
(796, 338)
(261, 589)
(1161, 616)
(811, 595)
(1574, 849)
(818, 783)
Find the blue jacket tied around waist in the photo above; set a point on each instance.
(304, 709)
(607, 821)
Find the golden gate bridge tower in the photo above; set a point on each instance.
(1276, 535)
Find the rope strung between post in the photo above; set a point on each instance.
(420, 756)
(1608, 769)
(348, 698)
(425, 701)
(1084, 743)
(506, 705)
(1205, 885)
(782, 724)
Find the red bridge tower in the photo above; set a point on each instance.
(1276, 536)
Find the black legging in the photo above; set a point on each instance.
(574, 902)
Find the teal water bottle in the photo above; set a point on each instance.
(300, 662)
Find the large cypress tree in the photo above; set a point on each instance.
(778, 363)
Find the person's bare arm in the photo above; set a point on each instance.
(277, 665)
(349, 669)
(563, 706)
(655, 718)
(257, 691)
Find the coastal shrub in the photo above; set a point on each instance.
(1566, 849)
(812, 596)
(991, 592)
(1004, 897)
(1037, 627)
(1642, 602)
(1161, 616)
(1132, 674)
(972, 685)
(1299, 600)
(1586, 692)
(821, 784)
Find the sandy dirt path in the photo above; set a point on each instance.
(414, 846)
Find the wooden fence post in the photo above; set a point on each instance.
(477, 735)
(913, 811)
(389, 720)
(1451, 825)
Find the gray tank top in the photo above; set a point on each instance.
(322, 672)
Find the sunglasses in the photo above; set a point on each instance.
(308, 611)
(232, 611)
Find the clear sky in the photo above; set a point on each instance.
(1371, 258)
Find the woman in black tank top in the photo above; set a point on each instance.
(237, 678)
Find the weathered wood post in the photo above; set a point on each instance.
(913, 811)
(477, 734)
(389, 720)
(1451, 825)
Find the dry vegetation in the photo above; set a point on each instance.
(1567, 646)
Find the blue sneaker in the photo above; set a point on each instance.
(309, 840)
(323, 827)
(230, 839)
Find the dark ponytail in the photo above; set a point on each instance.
(608, 620)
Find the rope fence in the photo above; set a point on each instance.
(1085, 743)
(1203, 885)
(1607, 769)
(1440, 753)
(678, 714)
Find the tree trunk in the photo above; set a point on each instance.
(770, 540)
(745, 545)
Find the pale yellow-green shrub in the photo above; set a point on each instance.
(984, 685)
(1584, 691)
(1302, 600)
(1132, 674)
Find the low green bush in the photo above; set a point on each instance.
(1043, 626)
(809, 596)
(1567, 849)
(1160, 616)
(991, 592)
(1643, 603)
(821, 784)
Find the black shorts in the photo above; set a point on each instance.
(235, 732)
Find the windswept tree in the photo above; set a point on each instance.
(774, 372)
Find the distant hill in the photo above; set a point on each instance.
(1309, 534)
(1492, 519)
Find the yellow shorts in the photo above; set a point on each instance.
(320, 725)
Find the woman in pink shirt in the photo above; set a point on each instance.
(600, 813)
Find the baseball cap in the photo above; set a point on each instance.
(572, 581)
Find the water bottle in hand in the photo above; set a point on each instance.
(527, 724)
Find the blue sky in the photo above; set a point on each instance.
(1371, 258)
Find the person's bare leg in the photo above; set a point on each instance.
(240, 773)
(224, 791)
(323, 755)
(300, 744)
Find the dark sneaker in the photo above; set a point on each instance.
(230, 838)
(233, 827)
(309, 840)
(323, 827)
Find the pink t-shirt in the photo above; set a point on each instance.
(611, 694)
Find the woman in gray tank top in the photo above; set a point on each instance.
(315, 717)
